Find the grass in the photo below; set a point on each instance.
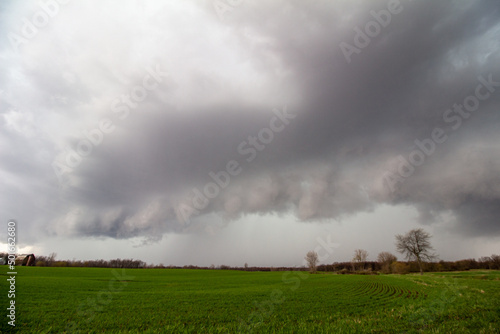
(96, 300)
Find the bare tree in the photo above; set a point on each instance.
(386, 259)
(51, 259)
(415, 245)
(312, 261)
(486, 260)
(360, 256)
(495, 259)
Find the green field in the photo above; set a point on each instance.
(95, 300)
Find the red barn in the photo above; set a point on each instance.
(25, 260)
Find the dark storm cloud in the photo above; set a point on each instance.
(351, 119)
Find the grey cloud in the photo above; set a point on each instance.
(353, 119)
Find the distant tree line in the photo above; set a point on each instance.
(50, 261)
(387, 263)
(418, 251)
(400, 267)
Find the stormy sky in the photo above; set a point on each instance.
(225, 132)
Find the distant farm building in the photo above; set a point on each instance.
(25, 260)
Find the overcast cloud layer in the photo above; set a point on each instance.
(305, 115)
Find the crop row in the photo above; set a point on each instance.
(379, 293)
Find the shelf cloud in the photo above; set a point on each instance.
(130, 119)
